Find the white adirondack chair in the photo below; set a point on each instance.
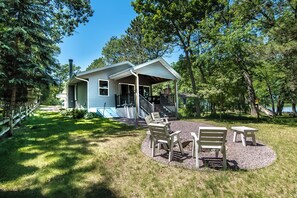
(210, 138)
(160, 134)
(157, 118)
(148, 120)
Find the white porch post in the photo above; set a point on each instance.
(176, 96)
(137, 96)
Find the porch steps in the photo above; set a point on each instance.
(107, 112)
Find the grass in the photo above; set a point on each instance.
(53, 156)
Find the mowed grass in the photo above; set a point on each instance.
(53, 156)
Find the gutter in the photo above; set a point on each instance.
(137, 96)
(88, 99)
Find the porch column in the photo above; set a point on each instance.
(176, 96)
(137, 95)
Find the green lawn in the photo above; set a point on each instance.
(52, 156)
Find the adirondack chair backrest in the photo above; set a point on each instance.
(159, 131)
(148, 119)
(212, 138)
(157, 118)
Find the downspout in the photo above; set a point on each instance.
(137, 96)
(88, 100)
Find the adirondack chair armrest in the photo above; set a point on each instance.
(194, 135)
(175, 133)
(165, 120)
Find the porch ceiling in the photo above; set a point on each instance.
(152, 79)
(126, 76)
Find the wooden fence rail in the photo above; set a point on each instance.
(8, 123)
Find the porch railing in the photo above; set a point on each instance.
(167, 104)
(145, 105)
(124, 100)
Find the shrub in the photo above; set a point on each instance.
(90, 115)
(74, 113)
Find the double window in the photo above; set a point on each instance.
(103, 86)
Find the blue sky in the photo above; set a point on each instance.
(111, 18)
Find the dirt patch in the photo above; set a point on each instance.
(238, 156)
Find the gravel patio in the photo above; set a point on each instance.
(238, 156)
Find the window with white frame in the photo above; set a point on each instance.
(103, 86)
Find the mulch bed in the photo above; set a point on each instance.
(238, 156)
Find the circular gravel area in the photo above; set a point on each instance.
(238, 156)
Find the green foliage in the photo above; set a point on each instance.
(29, 34)
(97, 63)
(91, 115)
(76, 113)
(61, 75)
(234, 52)
(135, 46)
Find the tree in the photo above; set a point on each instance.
(97, 63)
(29, 32)
(177, 22)
(134, 46)
(61, 75)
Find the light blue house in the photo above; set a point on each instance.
(124, 90)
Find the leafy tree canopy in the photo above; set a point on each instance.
(29, 33)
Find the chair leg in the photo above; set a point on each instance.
(151, 141)
(153, 148)
(234, 136)
(170, 151)
(224, 158)
(193, 148)
(180, 146)
(197, 156)
(217, 153)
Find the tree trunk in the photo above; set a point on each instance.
(213, 109)
(11, 109)
(194, 88)
(13, 98)
(280, 105)
(294, 107)
(251, 93)
(271, 97)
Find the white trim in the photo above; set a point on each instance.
(103, 88)
(104, 68)
(88, 99)
(121, 74)
(75, 92)
(163, 62)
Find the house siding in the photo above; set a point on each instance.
(82, 95)
(157, 70)
(95, 99)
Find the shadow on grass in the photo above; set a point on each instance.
(23, 193)
(47, 153)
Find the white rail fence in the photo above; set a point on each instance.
(16, 116)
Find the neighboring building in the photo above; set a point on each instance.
(124, 89)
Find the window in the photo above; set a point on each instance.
(103, 87)
(144, 91)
